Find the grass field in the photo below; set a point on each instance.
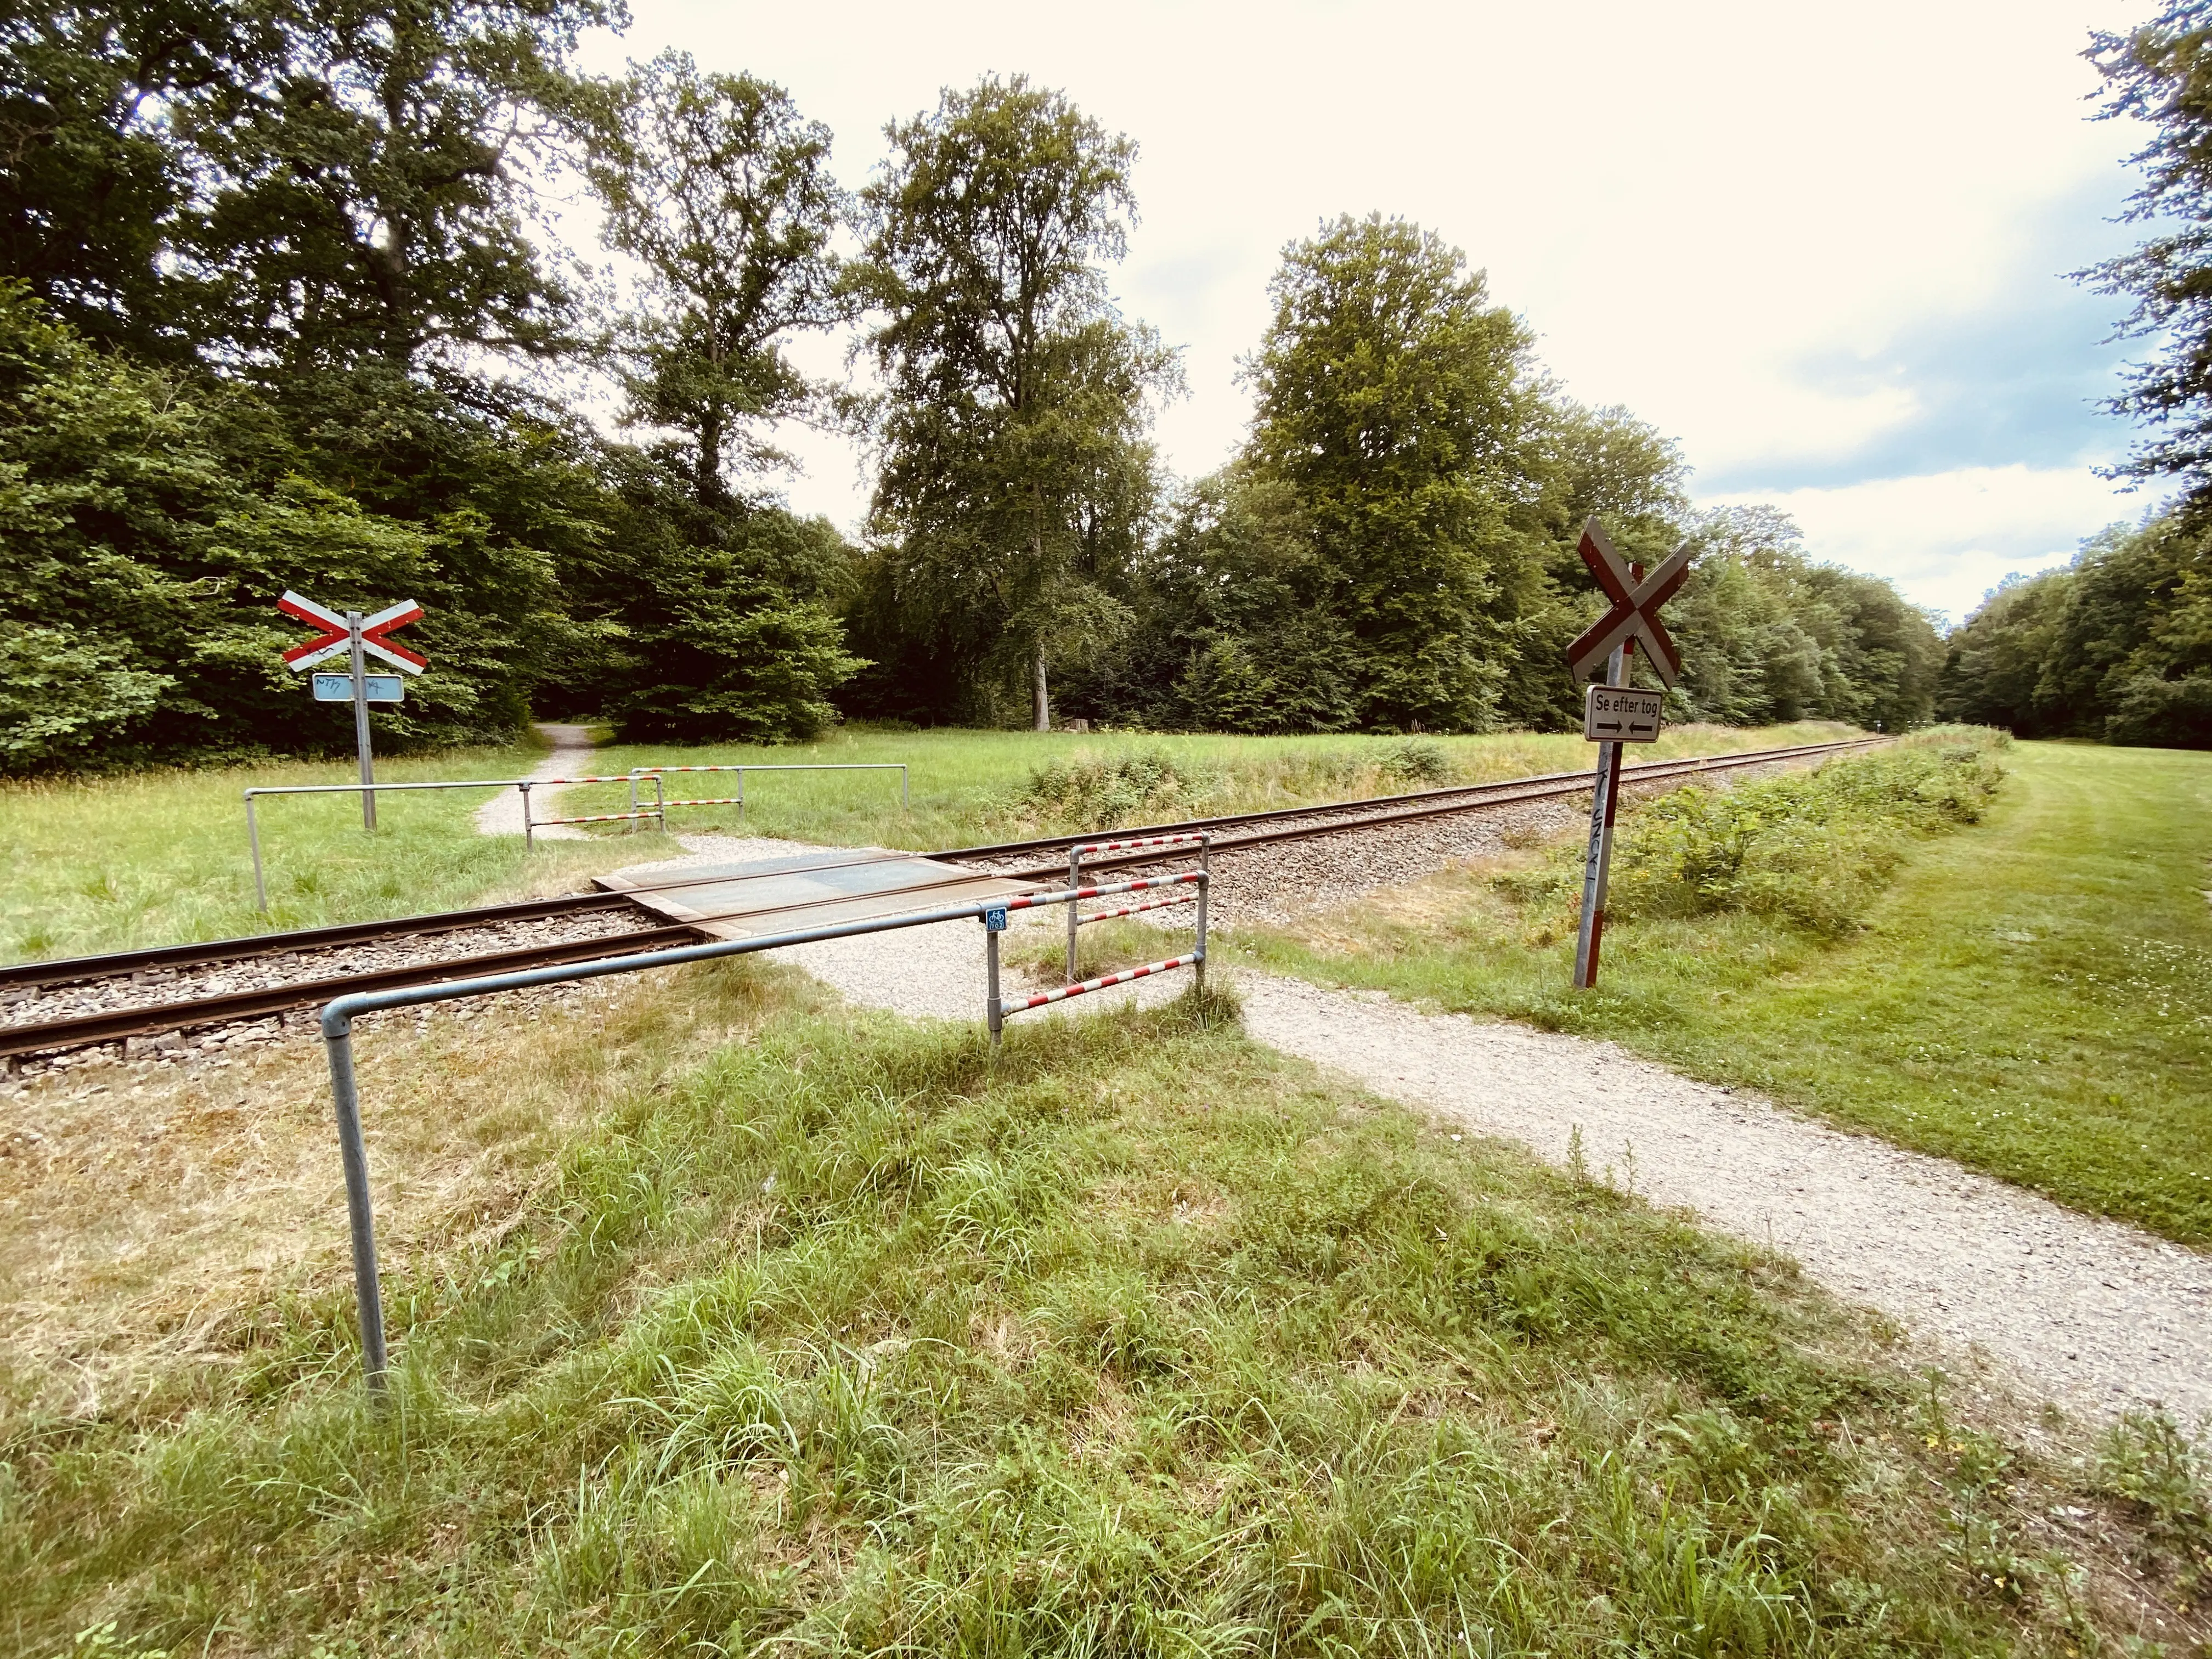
(155, 858)
(973, 787)
(2032, 995)
(1136, 1341)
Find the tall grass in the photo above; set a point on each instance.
(152, 858)
(1135, 1340)
(974, 787)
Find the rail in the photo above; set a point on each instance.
(339, 1014)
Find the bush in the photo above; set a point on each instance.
(1811, 848)
(2163, 714)
(1417, 762)
(1101, 791)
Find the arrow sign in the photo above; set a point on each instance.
(1634, 613)
(336, 636)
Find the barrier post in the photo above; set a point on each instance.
(632, 806)
(1074, 880)
(529, 828)
(361, 1218)
(994, 1016)
(660, 804)
(254, 839)
(1198, 968)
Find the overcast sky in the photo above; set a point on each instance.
(1823, 248)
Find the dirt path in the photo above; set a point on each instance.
(572, 754)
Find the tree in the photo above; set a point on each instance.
(1768, 633)
(1011, 429)
(149, 521)
(1993, 660)
(1396, 400)
(2161, 74)
(704, 623)
(95, 180)
(723, 195)
(369, 196)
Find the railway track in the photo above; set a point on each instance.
(598, 925)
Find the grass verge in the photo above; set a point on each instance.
(158, 858)
(2031, 996)
(971, 787)
(1136, 1340)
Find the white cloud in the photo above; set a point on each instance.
(1690, 202)
(1946, 539)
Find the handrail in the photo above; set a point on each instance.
(339, 1014)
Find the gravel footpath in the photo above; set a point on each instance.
(571, 757)
(2095, 1314)
(2092, 1313)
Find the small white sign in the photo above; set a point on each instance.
(338, 687)
(1621, 714)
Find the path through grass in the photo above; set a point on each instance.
(2033, 996)
(1138, 1340)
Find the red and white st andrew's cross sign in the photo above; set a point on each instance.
(1634, 613)
(337, 634)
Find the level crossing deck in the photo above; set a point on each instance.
(804, 890)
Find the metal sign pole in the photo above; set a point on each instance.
(361, 721)
(1597, 862)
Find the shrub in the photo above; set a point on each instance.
(1812, 848)
(1093, 791)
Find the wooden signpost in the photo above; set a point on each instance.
(360, 637)
(1616, 714)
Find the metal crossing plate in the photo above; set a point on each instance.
(807, 889)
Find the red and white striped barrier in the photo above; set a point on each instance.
(996, 1008)
(1130, 844)
(530, 825)
(1133, 909)
(1018, 1004)
(1180, 839)
(737, 801)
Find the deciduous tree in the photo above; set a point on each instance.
(1014, 469)
(722, 194)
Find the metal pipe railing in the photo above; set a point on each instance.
(339, 1014)
(737, 801)
(253, 829)
(1180, 838)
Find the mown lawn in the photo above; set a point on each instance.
(1137, 1339)
(2031, 996)
(105, 864)
(157, 857)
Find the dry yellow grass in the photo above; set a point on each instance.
(149, 1214)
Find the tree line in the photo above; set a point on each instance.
(284, 301)
(2118, 644)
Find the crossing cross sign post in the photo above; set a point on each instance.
(1615, 713)
(359, 638)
